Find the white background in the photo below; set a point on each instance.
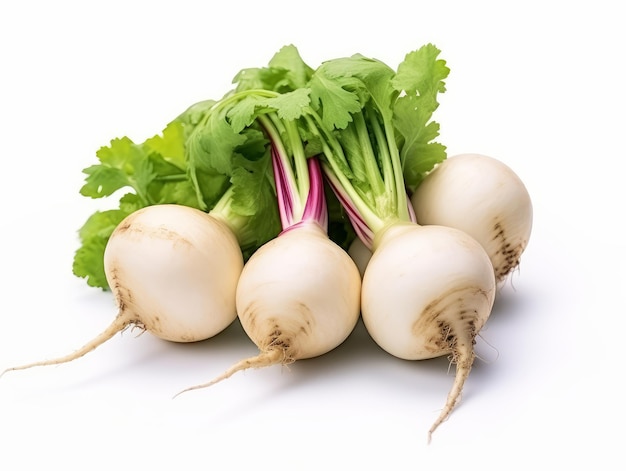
(539, 85)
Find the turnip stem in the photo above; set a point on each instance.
(122, 321)
(274, 356)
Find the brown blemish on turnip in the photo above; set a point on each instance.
(507, 256)
(450, 309)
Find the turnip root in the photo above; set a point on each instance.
(484, 198)
(427, 291)
(173, 271)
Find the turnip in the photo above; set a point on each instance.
(173, 271)
(483, 197)
(427, 290)
(298, 295)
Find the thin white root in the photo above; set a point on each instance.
(485, 360)
(267, 358)
(464, 358)
(120, 323)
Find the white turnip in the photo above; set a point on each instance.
(483, 197)
(173, 271)
(298, 295)
(427, 291)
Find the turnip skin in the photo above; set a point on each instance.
(303, 286)
(483, 197)
(173, 271)
(427, 291)
(298, 297)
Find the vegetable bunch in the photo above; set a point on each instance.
(254, 205)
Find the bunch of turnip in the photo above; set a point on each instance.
(253, 238)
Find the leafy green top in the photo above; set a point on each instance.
(370, 126)
(381, 119)
(193, 162)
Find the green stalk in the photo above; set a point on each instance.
(337, 170)
(237, 223)
(401, 193)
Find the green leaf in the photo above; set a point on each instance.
(130, 203)
(291, 105)
(194, 115)
(298, 73)
(429, 155)
(420, 76)
(286, 72)
(94, 234)
(103, 181)
(118, 163)
(170, 145)
(333, 101)
(244, 112)
(371, 79)
(122, 164)
(254, 197)
(212, 145)
(422, 72)
(89, 263)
